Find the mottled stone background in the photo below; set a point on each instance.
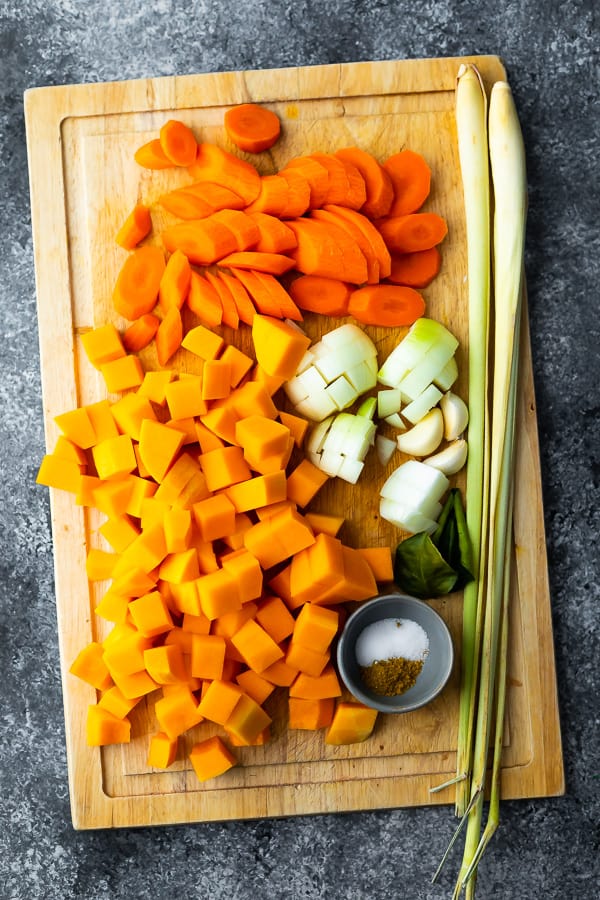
(545, 848)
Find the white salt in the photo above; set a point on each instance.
(390, 639)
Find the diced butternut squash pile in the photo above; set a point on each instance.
(222, 587)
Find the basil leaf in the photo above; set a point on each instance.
(421, 570)
(452, 539)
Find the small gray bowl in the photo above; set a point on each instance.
(436, 667)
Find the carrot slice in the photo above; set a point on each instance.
(339, 185)
(152, 156)
(217, 165)
(138, 282)
(357, 194)
(273, 263)
(204, 301)
(316, 175)
(328, 251)
(373, 236)
(416, 231)
(411, 178)
(185, 205)
(135, 228)
(272, 197)
(175, 282)
(326, 296)
(252, 128)
(241, 298)
(139, 334)
(274, 235)
(327, 216)
(380, 192)
(216, 195)
(203, 241)
(298, 199)
(230, 313)
(260, 296)
(241, 225)
(416, 269)
(169, 335)
(287, 307)
(178, 142)
(390, 305)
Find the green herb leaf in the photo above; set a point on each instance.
(452, 539)
(421, 570)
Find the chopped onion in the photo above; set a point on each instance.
(342, 446)
(385, 448)
(410, 497)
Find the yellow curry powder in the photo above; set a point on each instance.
(390, 677)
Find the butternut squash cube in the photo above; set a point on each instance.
(278, 346)
(310, 715)
(219, 701)
(257, 647)
(89, 665)
(352, 723)
(208, 656)
(162, 752)
(211, 758)
(151, 615)
(122, 374)
(248, 720)
(116, 703)
(102, 728)
(114, 457)
(102, 345)
(165, 664)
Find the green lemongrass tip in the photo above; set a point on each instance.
(509, 180)
(471, 120)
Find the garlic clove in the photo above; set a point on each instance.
(424, 437)
(451, 459)
(456, 415)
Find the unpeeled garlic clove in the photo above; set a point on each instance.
(424, 437)
(456, 415)
(451, 459)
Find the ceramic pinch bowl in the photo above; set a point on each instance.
(437, 665)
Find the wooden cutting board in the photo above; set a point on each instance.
(84, 181)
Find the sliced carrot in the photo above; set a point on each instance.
(386, 304)
(230, 313)
(175, 281)
(328, 251)
(327, 296)
(152, 156)
(357, 194)
(185, 205)
(373, 236)
(140, 333)
(327, 216)
(380, 192)
(316, 175)
(135, 228)
(416, 269)
(274, 235)
(416, 231)
(411, 178)
(339, 184)
(204, 301)
(298, 200)
(252, 128)
(216, 195)
(260, 296)
(203, 241)
(241, 298)
(241, 225)
(273, 263)
(272, 197)
(169, 335)
(217, 165)
(287, 307)
(178, 142)
(137, 285)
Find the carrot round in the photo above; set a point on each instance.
(273, 196)
(218, 166)
(379, 189)
(152, 156)
(275, 235)
(135, 228)
(328, 251)
(203, 300)
(416, 231)
(411, 178)
(139, 334)
(316, 175)
(416, 269)
(298, 199)
(390, 305)
(326, 215)
(138, 282)
(252, 128)
(326, 296)
(178, 143)
(272, 263)
(203, 241)
(185, 205)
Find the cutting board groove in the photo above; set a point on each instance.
(83, 181)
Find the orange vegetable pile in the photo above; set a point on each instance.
(223, 586)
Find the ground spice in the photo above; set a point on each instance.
(390, 677)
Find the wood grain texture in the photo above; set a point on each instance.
(84, 181)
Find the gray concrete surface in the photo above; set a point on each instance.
(544, 848)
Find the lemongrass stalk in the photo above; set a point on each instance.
(471, 115)
(507, 156)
